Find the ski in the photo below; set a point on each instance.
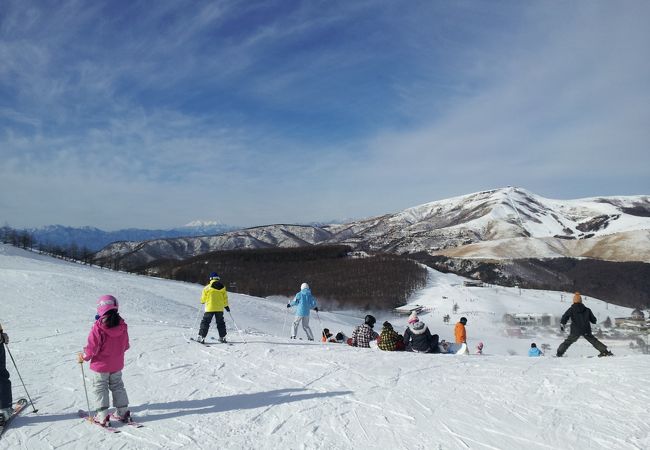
(18, 408)
(130, 422)
(84, 415)
(199, 342)
(216, 341)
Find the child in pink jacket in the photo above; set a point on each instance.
(107, 342)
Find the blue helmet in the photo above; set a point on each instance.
(214, 276)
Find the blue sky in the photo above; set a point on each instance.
(148, 114)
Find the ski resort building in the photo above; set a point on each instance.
(636, 321)
(528, 319)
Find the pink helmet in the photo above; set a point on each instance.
(106, 303)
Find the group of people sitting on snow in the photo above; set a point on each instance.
(416, 338)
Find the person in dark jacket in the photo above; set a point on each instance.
(5, 383)
(418, 338)
(581, 320)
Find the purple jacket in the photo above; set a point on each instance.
(106, 347)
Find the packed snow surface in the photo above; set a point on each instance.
(273, 393)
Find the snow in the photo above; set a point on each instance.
(271, 393)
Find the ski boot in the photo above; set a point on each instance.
(223, 340)
(102, 421)
(605, 353)
(125, 418)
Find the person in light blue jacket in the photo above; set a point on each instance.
(304, 302)
(534, 351)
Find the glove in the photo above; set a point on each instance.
(80, 358)
(316, 309)
(227, 308)
(561, 327)
(4, 339)
(288, 305)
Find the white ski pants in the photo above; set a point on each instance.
(305, 326)
(104, 382)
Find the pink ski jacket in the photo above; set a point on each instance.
(106, 347)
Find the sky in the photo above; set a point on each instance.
(120, 114)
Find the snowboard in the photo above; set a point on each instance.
(453, 348)
(18, 408)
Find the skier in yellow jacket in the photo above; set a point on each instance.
(215, 299)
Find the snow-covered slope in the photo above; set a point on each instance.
(274, 393)
(500, 224)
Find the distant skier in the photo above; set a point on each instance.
(418, 338)
(479, 348)
(304, 302)
(363, 334)
(215, 299)
(6, 408)
(389, 340)
(534, 351)
(107, 342)
(581, 320)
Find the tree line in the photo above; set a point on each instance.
(337, 279)
(25, 240)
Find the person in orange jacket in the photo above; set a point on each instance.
(459, 331)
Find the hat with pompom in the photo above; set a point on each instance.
(105, 303)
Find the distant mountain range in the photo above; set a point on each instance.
(501, 224)
(95, 239)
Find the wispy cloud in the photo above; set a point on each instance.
(123, 114)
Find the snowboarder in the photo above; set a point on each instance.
(108, 340)
(418, 338)
(304, 302)
(534, 351)
(459, 331)
(389, 340)
(215, 299)
(6, 402)
(581, 320)
(363, 334)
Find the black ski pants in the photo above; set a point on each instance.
(573, 338)
(207, 318)
(5, 383)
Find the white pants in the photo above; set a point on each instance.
(305, 326)
(102, 383)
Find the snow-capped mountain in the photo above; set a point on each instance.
(95, 238)
(501, 224)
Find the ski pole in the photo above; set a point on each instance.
(83, 377)
(196, 322)
(21, 378)
(238, 330)
(17, 371)
(284, 324)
